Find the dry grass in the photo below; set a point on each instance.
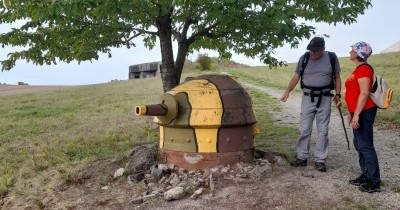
(56, 130)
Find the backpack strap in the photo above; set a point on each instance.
(366, 64)
(332, 59)
(374, 84)
(303, 65)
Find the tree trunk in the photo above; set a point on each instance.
(168, 74)
(180, 59)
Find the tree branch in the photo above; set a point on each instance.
(185, 29)
(142, 31)
(177, 35)
(205, 32)
(132, 37)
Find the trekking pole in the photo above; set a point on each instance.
(344, 127)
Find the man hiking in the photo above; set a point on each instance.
(319, 73)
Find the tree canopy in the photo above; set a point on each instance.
(50, 31)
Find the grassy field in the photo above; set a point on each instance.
(45, 136)
(53, 132)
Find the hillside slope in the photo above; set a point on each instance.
(392, 48)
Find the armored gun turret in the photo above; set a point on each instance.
(204, 122)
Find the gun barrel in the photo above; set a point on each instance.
(151, 110)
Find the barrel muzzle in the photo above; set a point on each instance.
(166, 111)
(152, 110)
(140, 110)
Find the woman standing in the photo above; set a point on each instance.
(363, 111)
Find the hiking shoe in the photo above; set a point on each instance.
(369, 188)
(362, 179)
(320, 166)
(299, 163)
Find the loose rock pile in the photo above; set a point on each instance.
(175, 183)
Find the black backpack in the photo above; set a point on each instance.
(332, 59)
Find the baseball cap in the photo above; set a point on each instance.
(362, 49)
(316, 44)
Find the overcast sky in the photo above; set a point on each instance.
(379, 26)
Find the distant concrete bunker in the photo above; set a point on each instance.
(144, 70)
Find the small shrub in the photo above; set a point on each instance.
(204, 61)
(6, 181)
(39, 204)
(396, 189)
(22, 83)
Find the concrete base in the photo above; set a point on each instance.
(193, 161)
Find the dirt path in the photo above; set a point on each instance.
(306, 188)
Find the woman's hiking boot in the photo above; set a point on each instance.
(299, 163)
(320, 166)
(369, 187)
(362, 179)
